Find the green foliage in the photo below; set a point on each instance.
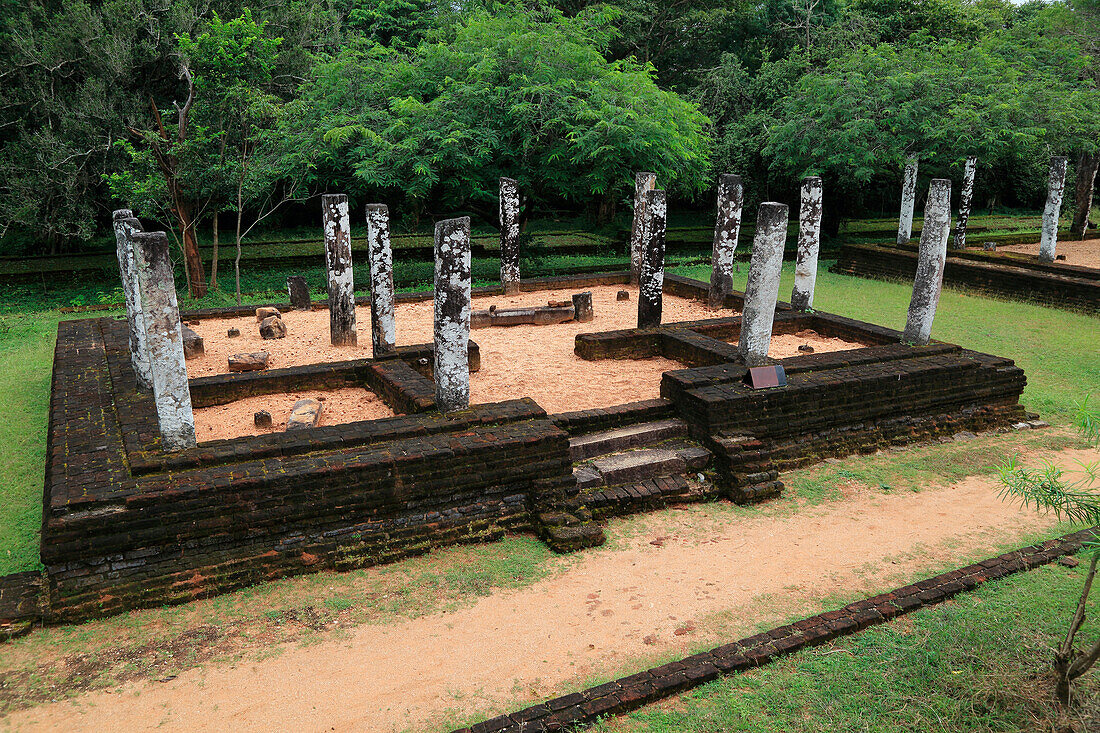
(524, 94)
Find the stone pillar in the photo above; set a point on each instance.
(297, 289)
(383, 326)
(452, 314)
(1053, 210)
(582, 307)
(125, 227)
(341, 284)
(509, 235)
(809, 244)
(762, 290)
(966, 198)
(164, 340)
(642, 182)
(908, 201)
(651, 278)
(727, 228)
(931, 257)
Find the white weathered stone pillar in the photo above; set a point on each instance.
(509, 235)
(762, 290)
(727, 228)
(642, 182)
(164, 340)
(341, 283)
(651, 278)
(908, 200)
(1055, 185)
(125, 227)
(452, 314)
(809, 245)
(966, 199)
(931, 257)
(383, 324)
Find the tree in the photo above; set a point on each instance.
(1075, 498)
(525, 94)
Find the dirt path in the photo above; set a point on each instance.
(679, 581)
(1084, 253)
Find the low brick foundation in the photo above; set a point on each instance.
(630, 693)
(1056, 284)
(128, 525)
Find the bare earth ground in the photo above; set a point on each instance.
(338, 406)
(667, 584)
(517, 361)
(1083, 253)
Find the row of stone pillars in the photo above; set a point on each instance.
(1056, 181)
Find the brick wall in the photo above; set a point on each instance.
(1054, 284)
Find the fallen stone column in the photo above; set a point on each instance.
(509, 235)
(125, 227)
(651, 277)
(341, 284)
(1055, 185)
(643, 182)
(382, 320)
(306, 413)
(809, 244)
(541, 316)
(931, 257)
(762, 290)
(452, 314)
(298, 290)
(966, 199)
(727, 228)
(908, 200)
(164, 340)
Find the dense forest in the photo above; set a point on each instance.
(191, 110)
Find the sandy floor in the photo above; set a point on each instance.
(786, 344)
(338, 406)
(1084, 253)
(678, 581)
(517, 361)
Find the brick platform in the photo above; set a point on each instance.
(1002, 274)
(630, 693)
(128, 525)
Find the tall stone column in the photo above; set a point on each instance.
(164, 340)
(931, 256)
(509, 235)
(125, 227)
(809, 244)
(341, 284)
(642, 182)
(383, 325)
(727, 228)
(908, 200)
(1056, 183)
(651, 277)
(762, 290)
(452, 314)
(966, 198)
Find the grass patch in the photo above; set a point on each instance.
(974, 664)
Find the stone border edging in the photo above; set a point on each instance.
(629, 693)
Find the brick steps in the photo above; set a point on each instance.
(617, 501)
(634, 466)
(629, 693)
(599, 443)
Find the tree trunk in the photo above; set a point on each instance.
(605, 211)
(1087, 164)
(196, 275)
(214, 261)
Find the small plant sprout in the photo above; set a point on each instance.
(1074, 497)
